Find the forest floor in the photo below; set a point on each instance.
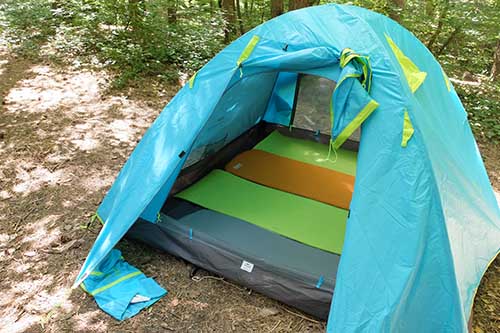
(64, 135)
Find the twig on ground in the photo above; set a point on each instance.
(301, 316)
(200, 278)
(276, 326)
(18, 222)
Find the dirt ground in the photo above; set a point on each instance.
(63, 138)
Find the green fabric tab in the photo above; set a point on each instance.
(413, 75)
(304, 220)
(355, 123)
(248, 50)
(446, 80)
(407, 130)
(308, 152)
(191, 80)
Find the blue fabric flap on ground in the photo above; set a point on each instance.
(120, 289)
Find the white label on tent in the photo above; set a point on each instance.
(237, 166)
(247, 266)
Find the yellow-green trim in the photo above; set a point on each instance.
(407, 130)
(446, 80)
(191, 80)
(99, 218)
(413, 75)
(83, 287)
(96, 273)
(96, 216)
(248, 50)
(346, 56)
(355, 123)
(114, 283)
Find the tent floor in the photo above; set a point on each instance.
(294, 273)
(265, 248)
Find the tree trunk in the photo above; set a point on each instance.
(395, 9)
(172, 11)
(250, 12)
(276, 8)
(430, 6)
(495, 69)
(135, 14)
(296, 4)
(439, 27)
(450, 38)
(228, 8)
(240, 18)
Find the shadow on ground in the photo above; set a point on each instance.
(63, 140)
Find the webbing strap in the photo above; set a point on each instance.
(114, 283)
(407, 130)
(248, 50)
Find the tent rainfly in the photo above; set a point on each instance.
(251, 173)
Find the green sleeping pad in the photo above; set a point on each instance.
(310, 152)
(304, 220)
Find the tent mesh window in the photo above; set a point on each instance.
(312, 109)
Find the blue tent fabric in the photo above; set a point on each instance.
(120, 289)
(279, 110)
(349, 99)
(424, 222)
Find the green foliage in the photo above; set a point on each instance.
(26, 24)
(135, 41)
(144, 43)
(162, 38)
(483, 108)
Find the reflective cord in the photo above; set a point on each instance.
(330, 149)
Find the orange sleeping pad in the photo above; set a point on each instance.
(307, 180)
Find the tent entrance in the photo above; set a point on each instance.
(268, 208)
(225, 220)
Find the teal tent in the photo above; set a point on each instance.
(409, 251)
